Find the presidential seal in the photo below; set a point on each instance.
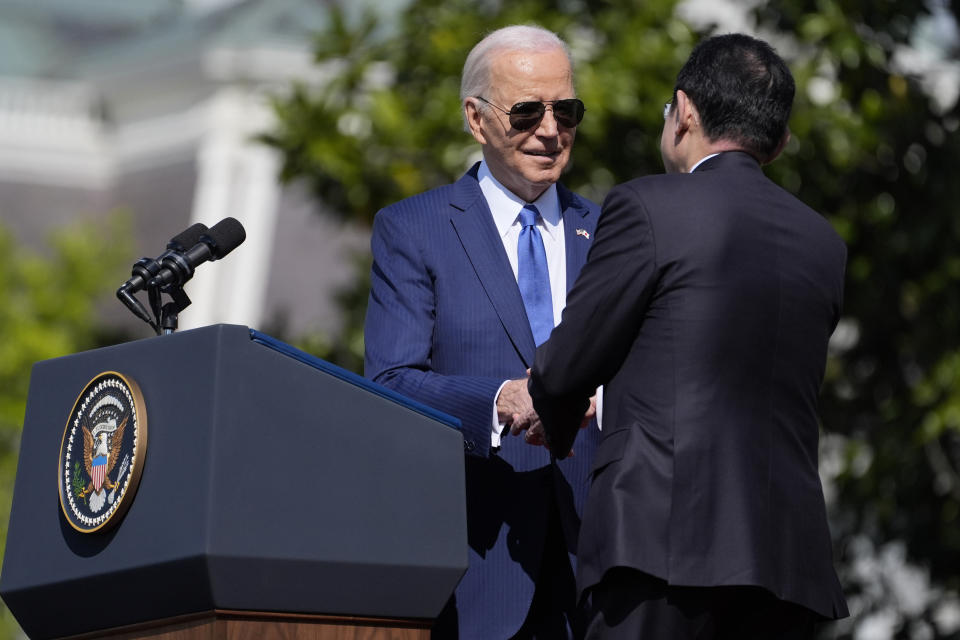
(102, 453)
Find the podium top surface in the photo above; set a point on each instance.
(353, 378)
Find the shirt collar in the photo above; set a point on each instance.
(702, 160)
(505, 205)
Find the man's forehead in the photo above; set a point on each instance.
(530, 61)
(531, 72)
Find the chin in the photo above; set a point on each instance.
(541, 183)
(544, 175)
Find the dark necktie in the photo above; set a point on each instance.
(533, 276)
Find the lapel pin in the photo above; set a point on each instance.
(584, 233)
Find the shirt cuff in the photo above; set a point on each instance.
(600, 407)
(497, 426)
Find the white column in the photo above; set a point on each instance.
(256, 210)
(236, 177)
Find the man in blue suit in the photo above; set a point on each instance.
(467, 279)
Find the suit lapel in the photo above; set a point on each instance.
(576, 243)
(473, 222)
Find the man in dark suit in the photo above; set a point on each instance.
(467, 279)
(705, 308)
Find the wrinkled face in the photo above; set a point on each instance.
(526, 162)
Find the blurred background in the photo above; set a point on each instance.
(121, 123)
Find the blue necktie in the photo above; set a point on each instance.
(533, 276)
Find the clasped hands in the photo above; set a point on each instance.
(515, 410)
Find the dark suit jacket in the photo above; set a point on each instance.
(446, 326)
(705, 307)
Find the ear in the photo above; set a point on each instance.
(686, 114)
(471, 110)
(783, 143)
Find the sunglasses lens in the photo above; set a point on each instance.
(568, 113)
(524, 115)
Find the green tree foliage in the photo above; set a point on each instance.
(871, 150)
(48, 309)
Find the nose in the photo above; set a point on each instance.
(548, 127)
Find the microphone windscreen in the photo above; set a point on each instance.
(224, 237)
(187, 238)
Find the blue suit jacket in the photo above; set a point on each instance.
(446, 326)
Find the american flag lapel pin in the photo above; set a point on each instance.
(584, 233)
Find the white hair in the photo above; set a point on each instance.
(475, 79)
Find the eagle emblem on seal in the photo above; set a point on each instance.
(101, 450)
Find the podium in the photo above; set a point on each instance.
(280, 496)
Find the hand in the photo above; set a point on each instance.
(524, 416)
(535, 435)
(515, 407)
(591, 412)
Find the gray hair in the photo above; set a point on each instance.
(475, 79)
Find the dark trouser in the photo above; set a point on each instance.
(553, 612)
(635, 605)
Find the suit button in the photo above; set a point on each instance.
(468, 446)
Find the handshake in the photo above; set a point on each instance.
(515, 410)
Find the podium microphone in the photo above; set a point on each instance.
(176, 268)
(146, 268)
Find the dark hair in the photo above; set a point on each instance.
(742, 89)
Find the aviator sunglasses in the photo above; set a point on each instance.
(524, 115)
